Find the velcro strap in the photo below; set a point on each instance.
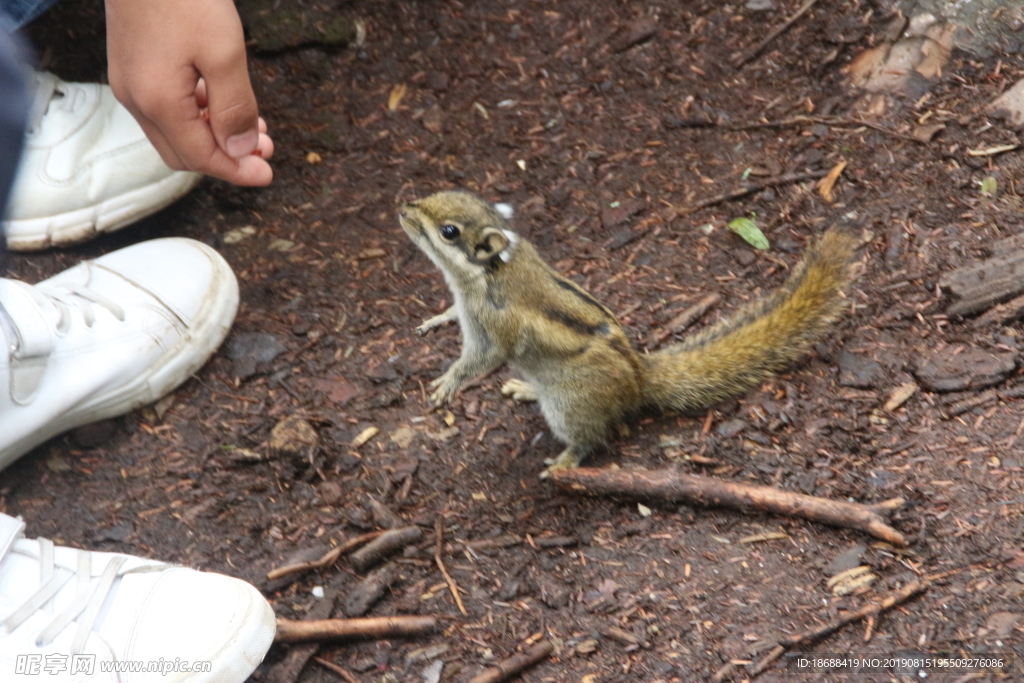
(11, 529)
(33, 339)
(34, 331)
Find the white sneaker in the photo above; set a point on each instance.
(72, 616)
(87, 168)
(107, 336)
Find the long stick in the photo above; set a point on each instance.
(514, 664)
(290, 631)
(776, 33)
(670, 485)
(871, 611)
(751, 189)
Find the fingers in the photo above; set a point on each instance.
(230, 98)
(185, 140)
(180, 67)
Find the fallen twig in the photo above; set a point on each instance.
(686, 318)
(870, 611)
(775, 34)
(515, 664)
(438, 549)
(329, 558)
(291, 631)
(787, 179)
(824, 120)
(670, 485)
(340, 670)
(288, 669)
(387, 543)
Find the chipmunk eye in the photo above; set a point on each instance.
(449, 231)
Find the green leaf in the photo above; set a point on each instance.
(748, 230)
(989, 186)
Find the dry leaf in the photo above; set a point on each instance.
(364, 436)
(370, 253)
(338, 389)
(826, 184)
(767, 536)
(900, 395)
(403, 436)
(395, 98)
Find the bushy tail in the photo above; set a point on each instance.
(760, 340)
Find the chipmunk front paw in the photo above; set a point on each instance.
(444, 388)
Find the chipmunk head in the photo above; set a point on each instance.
(459, 232)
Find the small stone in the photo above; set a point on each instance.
(859, 371)
(249, 350)
(294, 437)
(117, 533)
(760, 5)
(848, 559)
(438, 81)
(58, 464)
(553, 592)
(731, 428)
(432, 120)
(330, 493)
(621, 212)
(959, 369)
(1010, 106)
(633, 33)
(94, 435)
(1002, 623)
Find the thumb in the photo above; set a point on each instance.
(234, 115)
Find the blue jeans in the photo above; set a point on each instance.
(14, 106)
(16, 13)
(14, 97)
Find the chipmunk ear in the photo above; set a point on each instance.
(492, 242)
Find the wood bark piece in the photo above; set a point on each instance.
(669, 485)
(385, 516)
(386, 544)
(515, 664)
(979, 286)
(1002, 314)
(291, 631)
(370, 590)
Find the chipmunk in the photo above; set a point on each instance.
(578, 363)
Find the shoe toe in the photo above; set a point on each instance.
(186, 618)
(186, 276)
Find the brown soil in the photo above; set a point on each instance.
(599, 145)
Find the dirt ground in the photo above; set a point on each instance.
(601, 138)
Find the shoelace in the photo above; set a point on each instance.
(85, 608)
(64, 299)
(81, 298)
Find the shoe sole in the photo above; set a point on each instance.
(81, 225)
(168, 373)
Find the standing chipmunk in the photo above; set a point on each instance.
(578, 363)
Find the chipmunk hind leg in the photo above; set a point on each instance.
(582, 421)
